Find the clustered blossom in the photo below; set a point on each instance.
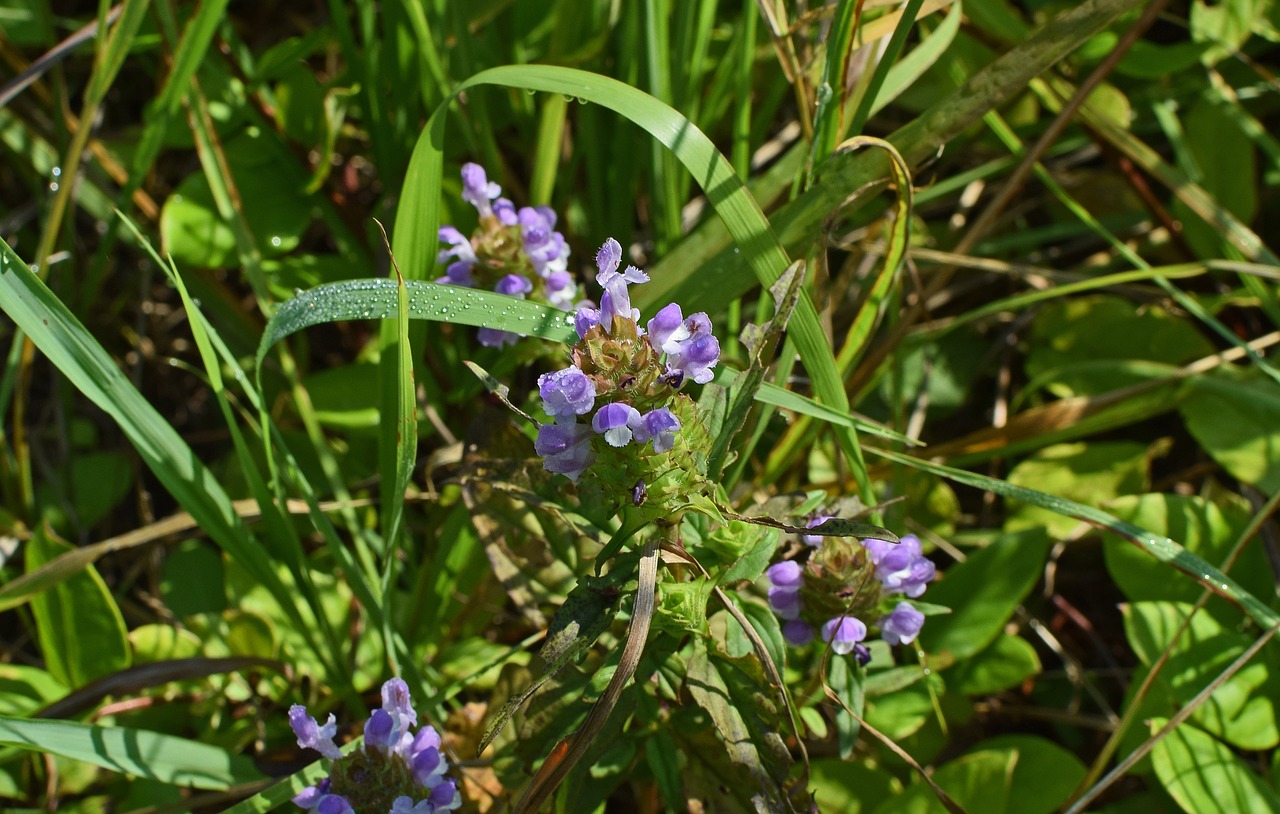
(516, 252)
(845, 582)
(624, 377)
(397, 770)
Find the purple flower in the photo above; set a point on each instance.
(567, 393)
(544, 246)
(513, 285)
(334, 804)
(404, 805)
(565, 448)
(313, 736)
(693, 356)
(615, 422)
(616, 301)
(496, 338)
(785, 602)
(477, 190)
(797, 632)
(445, 797)
(843, 633)
(660, 425)
(586, 319)
(505, 212)
(461, 252)
(814, 539)
(785, 574)
(862, 654)
(901, 567)
(560, 288)
(902, 625)
(667, 328)
(311, 796)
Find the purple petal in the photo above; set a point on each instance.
(902, 625)
(313, 736)
(566, 393)
(797, 632)
(844, 633)
(785, 574)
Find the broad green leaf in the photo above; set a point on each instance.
(983, 592)
(275, 205)
(1006, 662)
(849, 786)
(1224, 162)
(341, 396)
(1245, 709)
(93, 484)
(1091, 473)
(1071, 339)
(1205, 529)
(81, 630)
(134, 752)
(1012, 774)
(193, 580)
(1203, 775)
(1237, 421)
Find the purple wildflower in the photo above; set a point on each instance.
(902, 625)
(567, 393)
(785, 574)
(477, 189)
(901, 567)
(586, 319)
(660, 425)
(544, 246)
(463, 255)
(785, 602)
(667, 328)
(311, 735)
(513, 285)
(565, 448)
(814, 539)
(843, 633)
(616, 301)
(389, 740)
(505, 211)
(560, 288)
(615, 422)
(797, 632)
(693, 356)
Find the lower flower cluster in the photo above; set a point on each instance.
(846, 582)
(397, 770)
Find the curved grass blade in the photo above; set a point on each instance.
(1162, 548)
(377, 299)
(134, 752)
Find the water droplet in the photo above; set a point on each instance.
(53, 186)
(275, 241)
(56, 171)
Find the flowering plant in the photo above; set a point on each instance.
(396, 770)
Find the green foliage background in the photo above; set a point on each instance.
(246, 464)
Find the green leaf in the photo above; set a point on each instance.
(1237, 421)
(983, 592)
(1006, 662)
(134, 752)
(1244, 709)
(1205, 529)
(271, 192)
(1204, 775)
(24, 689)
(1012, 774)
(95, 483)
(81, 630)
(849, 786)
(193, 580)
(1073, 340)
(1091, 473)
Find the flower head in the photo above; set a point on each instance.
(901, 567)
(565, 448)
(567, 393)
(902, 625)
(397, 770)
(477, 189)
(843, 633)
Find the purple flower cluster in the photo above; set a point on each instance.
(516, 252)
(633, 381)
(397, 770)
(898, 568)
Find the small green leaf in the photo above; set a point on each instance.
(1006, 662)
(1237, 421)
